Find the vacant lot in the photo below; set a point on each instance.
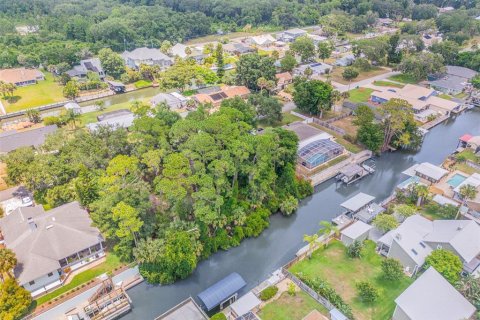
(333, 265)
(44, 92)
(347, 125)
(337, 74)
(360, 95)
(288, 307)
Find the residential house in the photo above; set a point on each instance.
(180, 50)
(316, 38)
(417, 237)
(345, 61)
(317, 68)
(264, 40)
(21, 76)
(50, 244)
(75, 107)
(358, 231)
(473, 143)
(148, 56)
(454, 81)
(237, 49)
(12, 140)
(89, 65)
(173, 100)
(283, 80)
(291, 35)
(122, 118)
(430, 38)
(427, 172)
(13, 198)
(431, 296)
(306, 133)
(474, 181)
(217, 96)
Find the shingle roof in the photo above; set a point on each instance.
(17, 75)
(221, 290)
(146, 54)
(40, 239)
(10, 141)
(432, 297)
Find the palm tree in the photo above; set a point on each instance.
(311, 239)
(467, 192)
(327, 229)
(71, 117)
(422, 193)
(336, 96)
(8, 261)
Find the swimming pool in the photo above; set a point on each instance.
(456, 180)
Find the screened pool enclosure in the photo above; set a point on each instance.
(318, 152)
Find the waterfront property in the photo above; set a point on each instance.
(182, 51)
(358, 231)
(453, 81)
(88, 65)
(50, 244)
(427, 172)
(222, 293)
(21, 76)
(122, 118)
(12, 140)
(147, 56)
(187, 309)
(247, 303)
(173, 100)
(218, 94)
(432, 297)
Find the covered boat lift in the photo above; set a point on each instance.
(357, 203)
(222, 293)
(353, 172)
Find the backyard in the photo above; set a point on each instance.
(359, 95)
(347, 125)
(44, 92)
(288, 307)
(342, 273)
(336, 74)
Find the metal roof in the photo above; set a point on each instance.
(245, 304)
(356, 230)
(357, 202)
(222, 290)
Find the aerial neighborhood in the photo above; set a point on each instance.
(240, 160)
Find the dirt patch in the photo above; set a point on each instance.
(3, 176)
(347, 125)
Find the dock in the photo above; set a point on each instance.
(353, 172)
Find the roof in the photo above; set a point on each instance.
(433, 297)
(462, 235)
(10, 141)
(172, 100)
(186, 309)
(179, 50)
(475, 140)
(284, 76)
(351, 170)
(357, 202)
(357, 229)
(466, 137)
(314, 315)
(430, 170)
(262, 39)
(222, 93)
(337, 315)
(234, 91)
(17, 75)
(441, 200)
(296, 31)
(146, 54)
(41, 238)
(368, 213)
(113, 114)
(316, 67)
(123, 121)
(461, 72)
(245, 304)
(222, 290)
(237, 47)
(306, 132)
(71, 105)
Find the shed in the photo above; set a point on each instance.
(335, 314)
(357, 202)
(245, 304)
(224, 291)
(358, 231)
(442, 200)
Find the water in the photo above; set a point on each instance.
(125, 97)
(456, 180)
(256, 258)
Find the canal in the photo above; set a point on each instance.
(256, 258)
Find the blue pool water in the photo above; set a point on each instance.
(456, 180)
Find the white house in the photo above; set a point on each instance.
(148, 56)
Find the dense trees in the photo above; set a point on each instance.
(14, 300)
(422, 64)
(251, 67)
(312, 96)
(369, 132)
(304, 47)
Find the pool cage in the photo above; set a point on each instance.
(318, 152)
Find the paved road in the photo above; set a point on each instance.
(59, 311)
(345, 87)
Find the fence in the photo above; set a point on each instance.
(329, 126)
(472, 164)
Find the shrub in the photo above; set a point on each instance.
(291, 289)
(367, 292)
(392, 269)
(268, 293)
(355, 249)
(219, 316)
(446, 263)
(52, 120)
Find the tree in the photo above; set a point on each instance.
(371, 136)
(100, 105)
(348, 74)
(324, 49)
(268, 109)
(367, 292)
(304, 47)
(251, 67)
(71, 116)
(469, 287)
(112, 62)
(467, 192)
(312, 96)
(220, 63)
(129, 223)
(405, 211)
(166, 46)
(71, 90)
(14, 300)
(385, 222)
(33, 115)
(392, 269)
(449, 50)
(476, 81)
(311, 239)
(424, 12)
(288, 205)
(446, 263)
(354, 250)
(8, 261)
(288, 63)
(327, 229)
(421, 64)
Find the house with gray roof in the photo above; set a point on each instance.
(432, 297)
(453, 81)
(148, 56)
(50, 244)
(180, 50)
(291, 35)
(427, 172)
(317, 68)
(122, 118)
(88, 65)
(12, 140)
(173, 100)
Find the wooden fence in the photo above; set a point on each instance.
(329, 126)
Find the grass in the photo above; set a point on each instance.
(403, 78)
(142, 84)
(44, 92)
(287, 119)
(383, 83)
(111, 262)
(333, 265)
(466, 168)
(360, 95)
(91, 117)
(338, 138)
(468, 155)
(461, 95)
(432, 215)
(347, 125)
(288, 307)
(445, 96)
(336, 74)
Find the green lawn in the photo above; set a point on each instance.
(44, 92)
(288, 307)
(287, 118)
(466, 168)
(460, 95)
(333, 265)
(383, 83)
(445, 96)
(468, 155)
(142, 84)
(110, 264)
(403, 78)
(360, 95)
